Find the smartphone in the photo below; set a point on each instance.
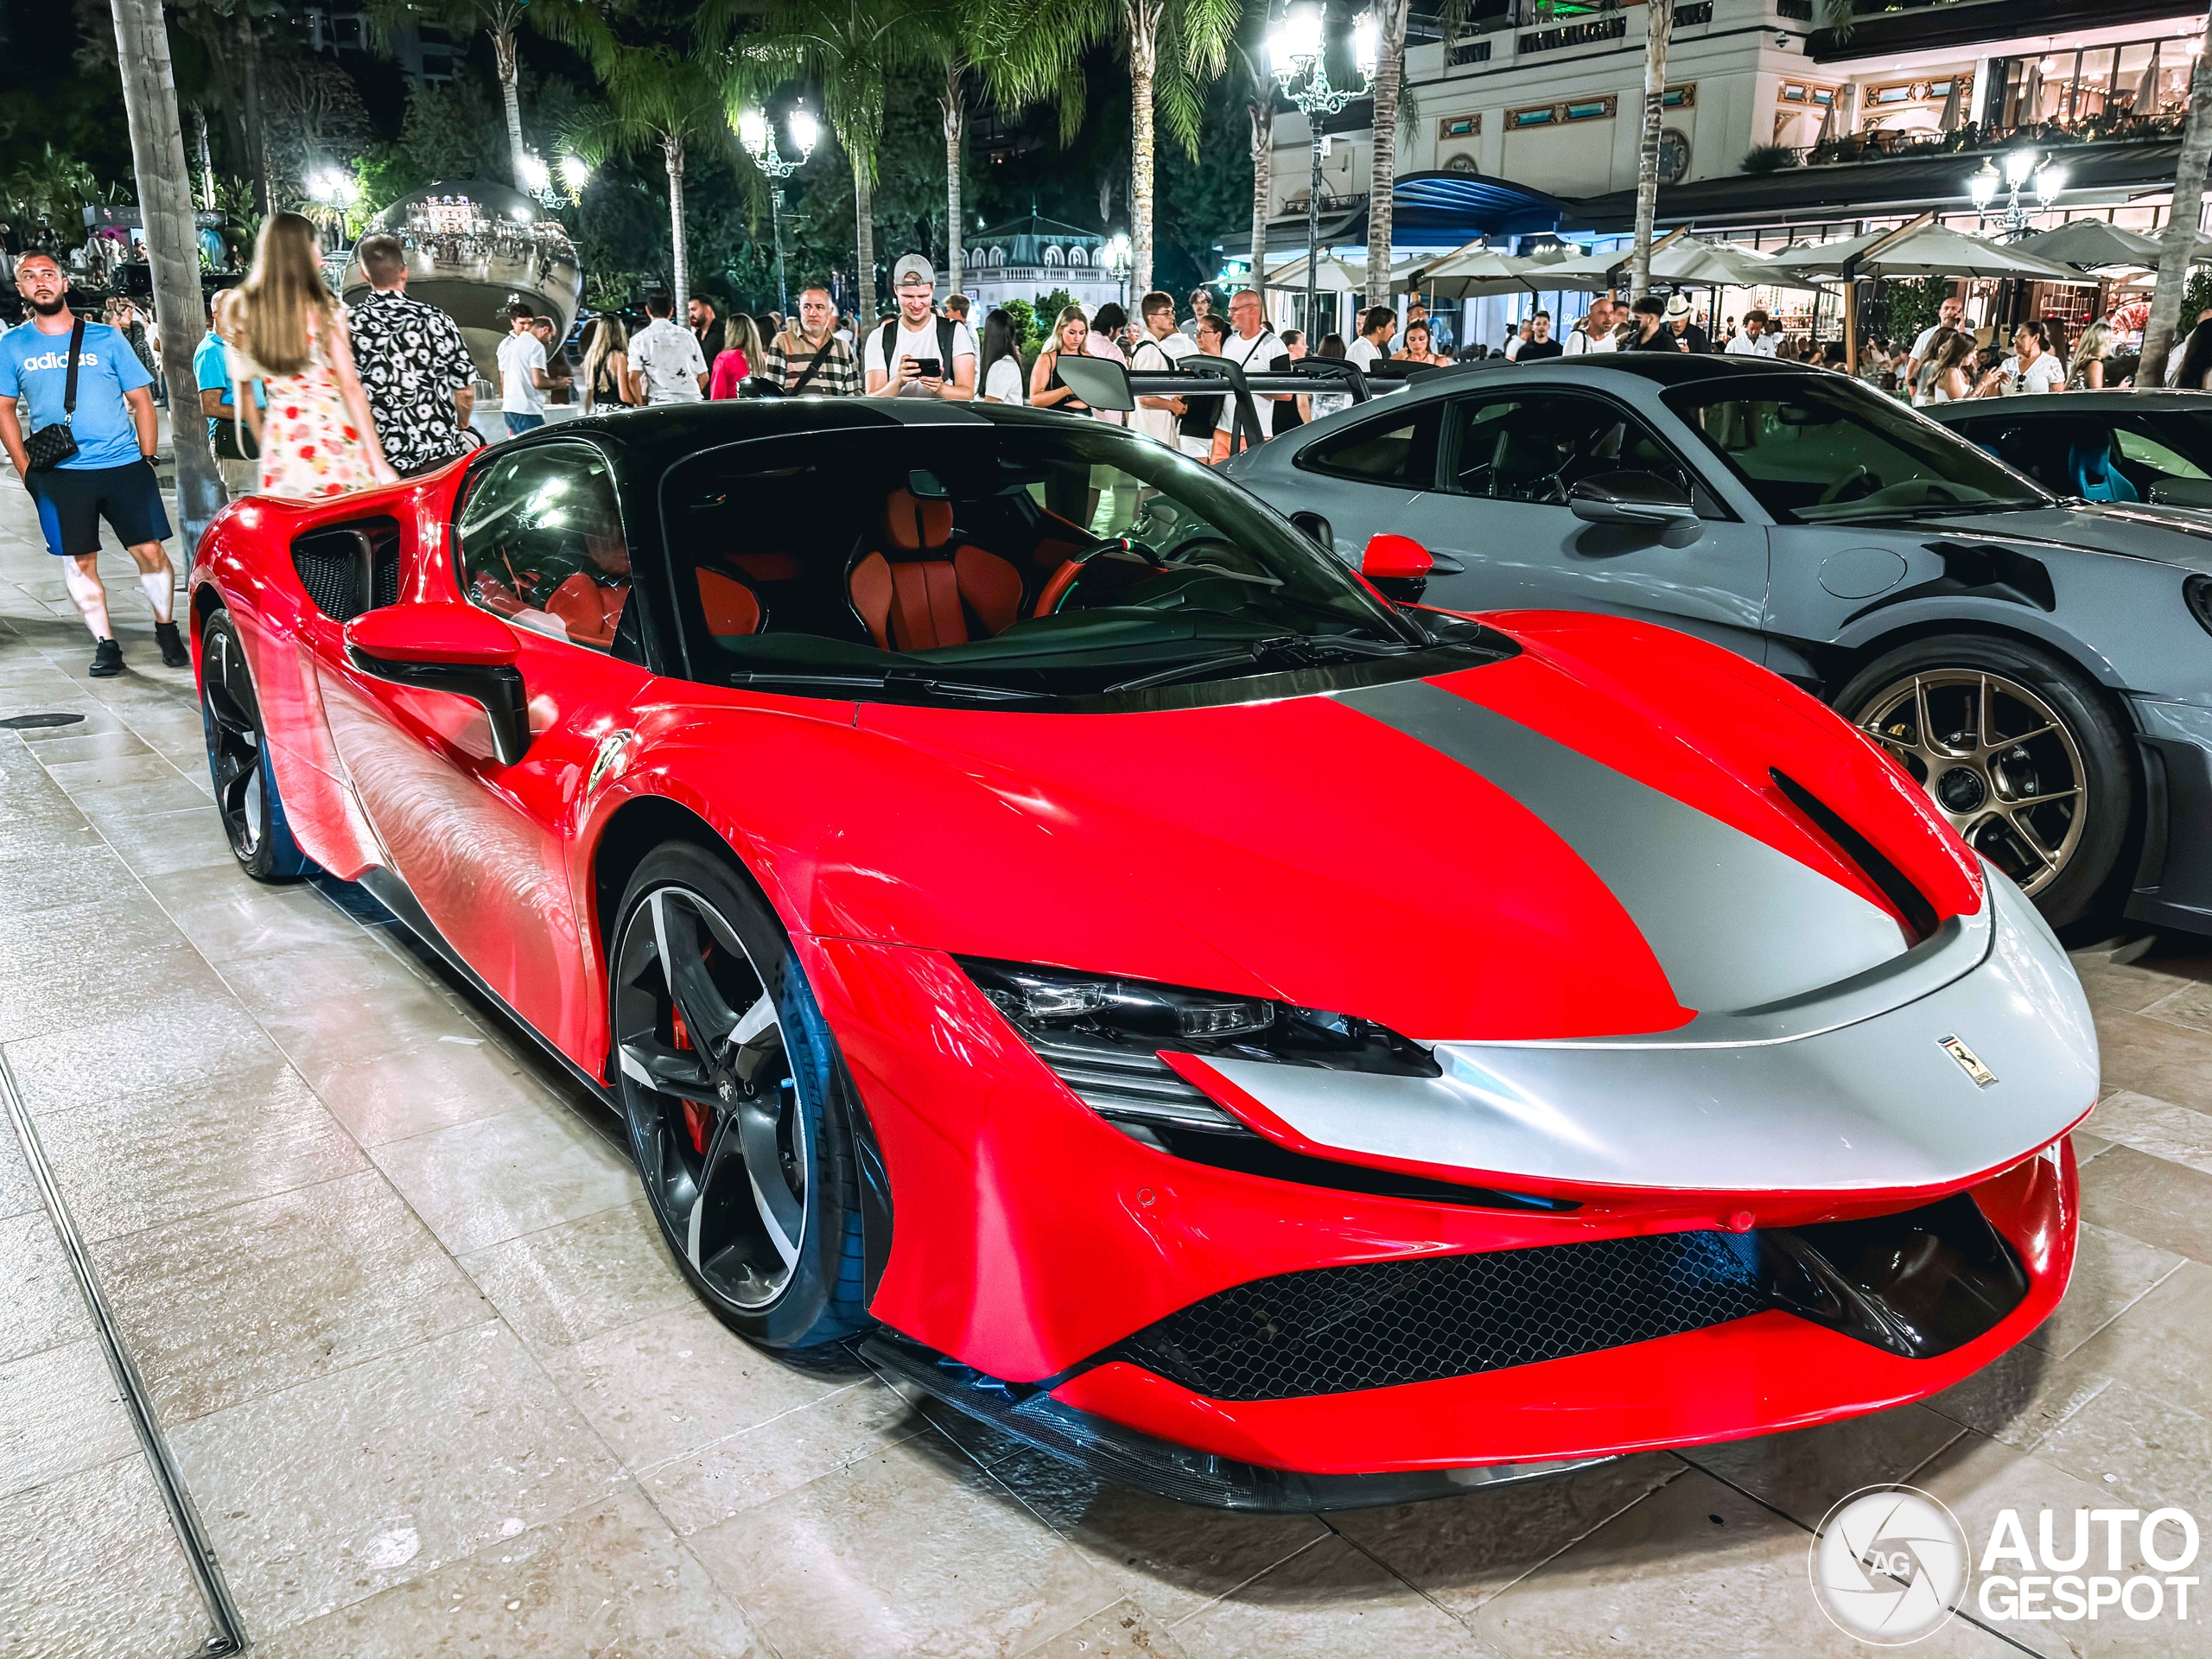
(929, 368)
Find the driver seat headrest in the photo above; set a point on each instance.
(914, 525)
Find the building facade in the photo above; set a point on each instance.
(1028, 258)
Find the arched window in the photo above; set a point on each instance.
(998, 255)
(1078, 257)
(1054, 257)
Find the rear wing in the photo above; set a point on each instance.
(1105, 383)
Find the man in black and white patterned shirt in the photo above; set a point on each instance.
(421, 383)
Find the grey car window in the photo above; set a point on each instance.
(1538, 448)
(1820, 448)
(1399, 448)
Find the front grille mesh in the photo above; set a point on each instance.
(1334, 1330)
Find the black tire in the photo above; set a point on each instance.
(762, 1139)
(2001, 782)
(237, 761)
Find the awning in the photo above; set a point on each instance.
(1434, 210)
(1931, 251)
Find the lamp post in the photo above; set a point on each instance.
(2022, 166)
(1296, 53)
(760, 140)
(1115, 256)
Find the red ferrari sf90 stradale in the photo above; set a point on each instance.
(1041, 919)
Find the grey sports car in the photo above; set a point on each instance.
(2040, 664)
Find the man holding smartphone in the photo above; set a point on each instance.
(918, 353)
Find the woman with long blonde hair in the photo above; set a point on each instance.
(317, 436)
(1070, 334)
(607, 363)
(2091, 352)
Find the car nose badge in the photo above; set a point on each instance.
(1969, 1062)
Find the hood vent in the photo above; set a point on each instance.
(1911, 902)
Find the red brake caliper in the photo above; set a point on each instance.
(695, 1121)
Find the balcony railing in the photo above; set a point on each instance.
(1885, 146)
(1700, 11)
(1555, 40)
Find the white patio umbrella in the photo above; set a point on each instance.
(1931, 251)
(1681, 262)
(2093, 243)
(1474, 273)
(1332, 274)
(1948, 121)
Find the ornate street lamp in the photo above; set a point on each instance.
(1115, 256)
(2022, 168)
(1296, 52)
(760, 140)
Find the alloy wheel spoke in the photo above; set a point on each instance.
(710, 1020)
(779, 1208)
(2016, 821)
(668, 1071)
(725, 1202)
(1985, 710)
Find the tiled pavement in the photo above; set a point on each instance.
(434, 1386)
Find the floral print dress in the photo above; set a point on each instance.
(309, 446)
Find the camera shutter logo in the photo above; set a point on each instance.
(1889, 1565)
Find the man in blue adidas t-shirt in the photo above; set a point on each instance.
(111, 474)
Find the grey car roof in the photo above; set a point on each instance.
(2114, 402)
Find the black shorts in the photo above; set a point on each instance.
(71, 501)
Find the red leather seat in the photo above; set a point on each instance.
(732, 607)
(589, 611)
(918, 591)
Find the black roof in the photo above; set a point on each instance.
(1668, 368)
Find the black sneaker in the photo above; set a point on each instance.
(174, 655)
(107, 660)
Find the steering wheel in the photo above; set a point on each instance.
(1854, 485)
(1186, 551)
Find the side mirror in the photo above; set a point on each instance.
(1399, 557)
(1099, 381)
(453, 648)
(1631, 499)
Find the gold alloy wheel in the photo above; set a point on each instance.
(1995, 759)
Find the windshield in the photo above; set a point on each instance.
(1823, 450)
(1033, 560)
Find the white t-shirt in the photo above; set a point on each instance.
(1255, 354)
(915, 343)
(1743, 345)
(1579, 343)
(1003, 381)
(2043, 375)
(1919, 352)
(1362, 353)
(519, 393)
(1157, 355)
(670, 359)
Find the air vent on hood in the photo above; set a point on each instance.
(1911, 902)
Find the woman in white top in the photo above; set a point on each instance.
(1950, 354)
(1002, 380)
(2033, 366)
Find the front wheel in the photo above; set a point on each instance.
(237, 760)
(2016, 750)
(735, 1103)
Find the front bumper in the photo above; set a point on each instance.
(1771, 1371)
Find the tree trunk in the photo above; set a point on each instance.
(671, 145)
(1262, 118)
(257, 130)
(1659, 24)
(956, 124)
(142, 43)
(1383, 169)
(2181, 227)
(502, 57)
(864, 229)
(1144, 60)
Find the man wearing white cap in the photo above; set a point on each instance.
(918, 353)
(1692, 337)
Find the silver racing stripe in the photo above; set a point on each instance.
(1734, 923)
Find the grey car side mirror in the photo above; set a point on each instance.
(1631, 499)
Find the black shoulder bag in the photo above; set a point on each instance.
(49, 446)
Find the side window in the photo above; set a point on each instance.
(1396, 449)
(542, 544)
(1537, 449)
(2148, 452)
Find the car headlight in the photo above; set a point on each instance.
(1103, 1036)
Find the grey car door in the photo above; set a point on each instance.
(1508, 460)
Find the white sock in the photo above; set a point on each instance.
(161, 590)
(91, 598)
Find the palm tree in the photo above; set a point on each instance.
(954, 32)
(2182, 220)
(851, 49)
(1390, 18)
(573, 22)
(1173, 47)
(1258, 88)
(657, 98)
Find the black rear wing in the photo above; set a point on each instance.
(1104, 384)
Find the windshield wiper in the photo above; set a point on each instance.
(1309, 646)
(891, 679)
